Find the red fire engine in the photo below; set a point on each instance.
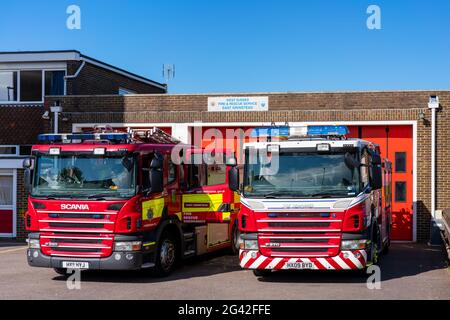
(120, 201)
(312, 199)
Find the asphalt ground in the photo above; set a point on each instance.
(408, 271)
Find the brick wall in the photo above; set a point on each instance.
(94, 80)
(347, 106)
(21, 206)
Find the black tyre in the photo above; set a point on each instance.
(234, 249)
(262, 272)
(374, 249)
(166, 255)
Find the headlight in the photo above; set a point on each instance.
(128, 246)
(34, 244)
(353, 244)
(251, 244)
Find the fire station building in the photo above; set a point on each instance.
(401, 122)
(42, 92)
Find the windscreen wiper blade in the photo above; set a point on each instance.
(328, 194)
(99, 196)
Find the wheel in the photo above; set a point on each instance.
(373, 257)
(234, 249)
(166, 255)
(61, 271)
(262, 272)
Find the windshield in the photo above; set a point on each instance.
(301, 175)
(84, 176)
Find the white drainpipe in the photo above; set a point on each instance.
(56, 109)
(433, 105)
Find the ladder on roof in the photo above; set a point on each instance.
(155, 135)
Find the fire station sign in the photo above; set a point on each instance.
(223, 104)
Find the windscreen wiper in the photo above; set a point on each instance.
(328, 194)
(99, 196)
(58, 196)
(275, 194)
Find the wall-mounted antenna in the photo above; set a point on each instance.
(168, 72)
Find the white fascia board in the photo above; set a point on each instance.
(33, 65)
(11, 163)
(39, 56)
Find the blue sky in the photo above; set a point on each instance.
(248, 45)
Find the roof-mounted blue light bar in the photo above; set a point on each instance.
(61, 137)
(298, 131)
(327, 130)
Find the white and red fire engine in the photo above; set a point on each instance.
(312, 199)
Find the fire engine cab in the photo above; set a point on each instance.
(121, 201)
(312, 199)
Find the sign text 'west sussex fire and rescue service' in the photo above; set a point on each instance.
(223, 104)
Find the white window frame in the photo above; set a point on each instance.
(43, 70)
(17, 84)
(13, 206)
(12, 154)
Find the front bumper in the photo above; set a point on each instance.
(117, 261)
(346, 260)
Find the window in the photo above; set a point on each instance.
(400, 191)
(123, 91)
(54, 83)
(8, 150)
(8, 86)
(172, 172)
(216, 174)
(400, 162)
(31, 86)
(6, 190)
(365, 169)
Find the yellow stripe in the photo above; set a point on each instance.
(212, 201)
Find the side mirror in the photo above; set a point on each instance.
(156, 174)
(376, 159)
(233, 179)
(28, 164)
(376, 177)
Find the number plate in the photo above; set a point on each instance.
(75, 265)
(299, 265)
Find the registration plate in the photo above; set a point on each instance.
(299, 265)
(75, 265)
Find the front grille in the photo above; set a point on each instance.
(75, 245)
(299, 241)
(298, 224)
(75, 216)
(302, 250)
(75, 241)
(317, 244)
(77, 250)
(298, 215)
(76, 225)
